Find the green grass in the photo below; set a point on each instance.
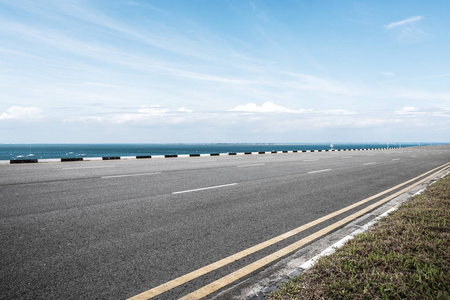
(404, 256)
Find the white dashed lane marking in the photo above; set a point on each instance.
(205, 188)
(319, 171)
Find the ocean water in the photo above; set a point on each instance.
(36, 151)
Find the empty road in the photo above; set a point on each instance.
(115, 229)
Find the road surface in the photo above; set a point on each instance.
(115, 229)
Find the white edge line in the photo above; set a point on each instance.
(340, 243)
(371, 163)
(130, 175)
(205, 188)
(330, 250)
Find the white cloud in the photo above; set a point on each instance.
(338, 112)
(22, 113)
(407, 110)
(404, 22)
(153, 110)
(182, 109)
(267, 107)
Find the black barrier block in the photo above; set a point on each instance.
(71, 159)
(110, 157)
(311, 150)
(285, 151)
(261, 152)
(247, 153)
(232, 153)
(274, 152)
(194, 155)
(214, 154)
(303, 150)
(23, 161)
(143, 156)
(170, 155)
(295, 151)
(319, 150)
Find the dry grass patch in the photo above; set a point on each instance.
(404, 256)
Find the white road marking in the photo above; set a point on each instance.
(371, 163)
(396, 159)
(96, 167)
(205, 188)
(254, 165)
(318, 171)
(346, 157)
(414, 156)
(310, 160)
(130, 175)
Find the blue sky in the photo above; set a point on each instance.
(131, 71)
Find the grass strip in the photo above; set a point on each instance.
(406, 255)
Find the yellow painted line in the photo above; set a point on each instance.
(224, 281)
(225, 261)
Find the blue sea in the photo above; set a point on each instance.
(36, 151)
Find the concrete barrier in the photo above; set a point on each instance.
(49, 160)
(71, 159)
(92, 158)
(68, 159)
(23, 161)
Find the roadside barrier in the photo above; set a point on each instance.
(73, 159)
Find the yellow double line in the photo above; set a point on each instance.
(224, 281)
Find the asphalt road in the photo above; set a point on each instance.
(113, 229)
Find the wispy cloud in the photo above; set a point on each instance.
(387, 74)
(408, 31)
(404, 22)
(22, 113)
(267, 107)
